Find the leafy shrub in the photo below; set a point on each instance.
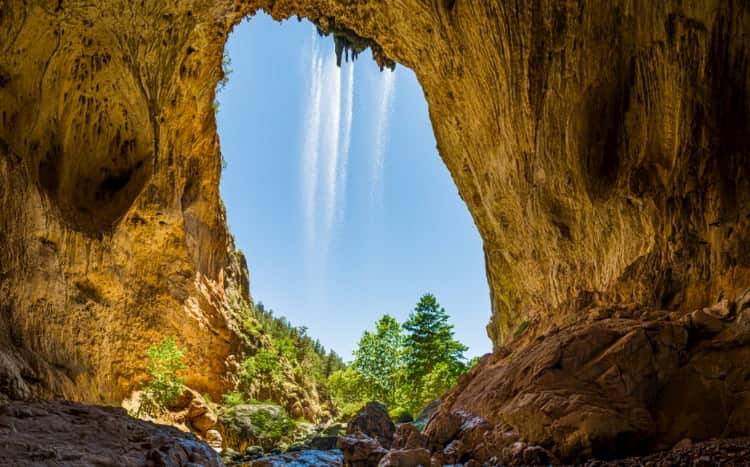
(166, 360)
(272, 425)
(233, 398)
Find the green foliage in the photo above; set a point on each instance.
(226, 70)
(400, 415)
(270, 425)
(166, 360)
(403, 367)
(521, 328)
(378, 360)
(233, 398)
(430, 353)
(287, 355)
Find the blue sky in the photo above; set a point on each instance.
(335, 192)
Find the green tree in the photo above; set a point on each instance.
(429, 346)
(378, 360)
(348, 389)
(166, 360)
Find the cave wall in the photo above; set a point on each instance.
(599, 145)
(113, 235)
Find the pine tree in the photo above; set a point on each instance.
(429, 345)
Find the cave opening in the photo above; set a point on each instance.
(334, 189)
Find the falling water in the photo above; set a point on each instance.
(310, 151)
(381, 128)
(326, 146)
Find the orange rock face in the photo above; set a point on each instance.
(600, 146)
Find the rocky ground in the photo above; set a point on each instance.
(57, 433)
(723, 452)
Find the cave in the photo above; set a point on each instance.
(600, 147)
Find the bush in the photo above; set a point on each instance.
(399, 415)
(272, 425)
(233, 398)
(165, 386)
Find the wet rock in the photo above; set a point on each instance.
(303, 458)
(360, 450)
(68, 433)
(373, 420)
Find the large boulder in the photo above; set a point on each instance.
(254, 424)
(608, 388)
(68, 433)
(373, 420)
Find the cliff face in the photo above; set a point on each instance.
(112, 231)
(601, 147)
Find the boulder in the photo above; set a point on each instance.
(373, 420)
(406, 458)
(360, 450)
(69, 433)
(407, 436)
(200, 417)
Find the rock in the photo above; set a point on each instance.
(304, 458)
(705, 323)
(622, 176)
(324, 443)
(373, 420)
(406, 458)
(454, 451)
(254, 424)
(743, 301)
(200, 417)
(359, 450)
(424, 416)
(253, 452)
(213, 439)
(724, 309)
(725, 452)
(335, 429)
(685, 443)
(584, 391)
(68, 433)
(407, 436)
(537, 455)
